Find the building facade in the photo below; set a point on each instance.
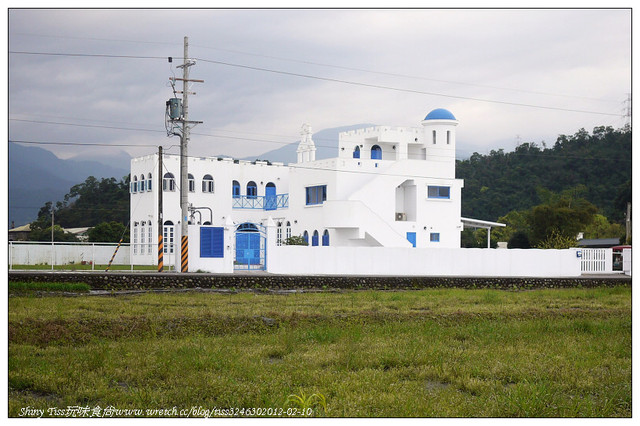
(388, 187)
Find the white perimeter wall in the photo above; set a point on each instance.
(40, 254)
(422, 261)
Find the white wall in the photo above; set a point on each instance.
(422, 261)
(222, 265)
(65, 254)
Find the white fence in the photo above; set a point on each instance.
(422, 261)
(597, 261)
(38, 253)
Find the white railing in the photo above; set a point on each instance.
(596, 261)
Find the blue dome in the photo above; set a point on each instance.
(440, 114)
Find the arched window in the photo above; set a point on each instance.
(149, 179)
(167, 234)
(235, 189)
(192, 183)
(376, 153)
(247, 227)
(314, 239)
(207, 184)
(306, 237)
(356, 152)
(325, 238)
(135, 238)
(168, 182)
(287, 231)
(141, 183)
(134, 185)
(252, 190)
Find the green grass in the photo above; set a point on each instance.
(429, 353)
(85, 267)
(26, 287)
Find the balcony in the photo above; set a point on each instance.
(269, 202)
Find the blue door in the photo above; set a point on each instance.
(270, 199)
(411, 236)
(248, 248)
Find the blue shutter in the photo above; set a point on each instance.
(325, 239)
(411, 236)
(212, 242)
(314, 240)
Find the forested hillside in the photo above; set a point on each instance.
(500, 182)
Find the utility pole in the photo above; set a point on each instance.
(178, 111)
(160, 221)
(628, 223)
(53, 251)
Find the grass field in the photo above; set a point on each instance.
(430, 353)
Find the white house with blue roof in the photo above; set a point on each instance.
(388, 187)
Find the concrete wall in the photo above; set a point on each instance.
(422, 262)
(65, 254)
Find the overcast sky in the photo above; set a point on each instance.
(507, 75)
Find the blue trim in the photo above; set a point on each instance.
(434, 237)
(441, 192)
(411, 237)
(356, 152)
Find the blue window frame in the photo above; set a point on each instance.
(252, 190)
(443, 192)
(356, 152)
(325, 238)
(235, 189)
(306, 237)
(434, 237)
(212, 242)
(316, 194)
(376, 153)
(315, 239)
(411, 236)
(149, 179)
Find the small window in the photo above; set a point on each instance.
(235, 189)
(149, 179)
(207, 184)
(168, 182)
(325, 238)
(192, 183)
(135, 239)
(134, 185)
(288, 230)
(316, 194)
(315, 239)
(376, 153)
(167, 234)
(443, 192)
(448, 137)
(142, 182)
(356, 152)
(434, 137)
(306, 237)
(279, 234)
(434, 237)
(252, 190)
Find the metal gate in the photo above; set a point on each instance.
(250, 247)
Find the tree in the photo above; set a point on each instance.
(601, 228)
(520, 240)
(564, 214)
(44, 234)
(108, 232)
(91, 202)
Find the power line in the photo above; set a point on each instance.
(260, 55)
(333, 80)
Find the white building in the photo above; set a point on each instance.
(388, 187)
